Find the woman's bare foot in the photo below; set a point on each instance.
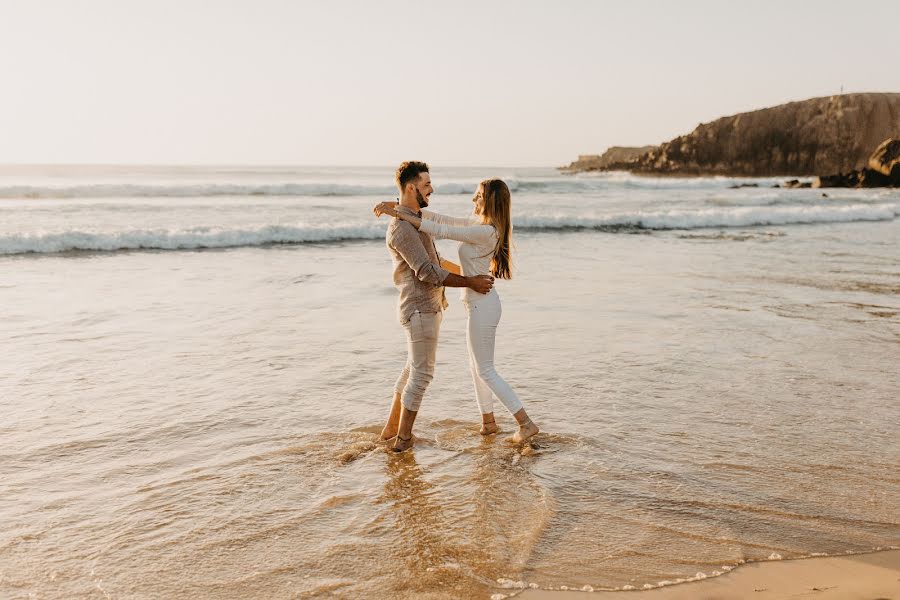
(488, 425)
(401, 444)
(526, 432)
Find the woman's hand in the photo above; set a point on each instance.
(385, 208)
(390, 209)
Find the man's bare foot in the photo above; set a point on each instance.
(401, 444)
(489, 427)
(389, 431)
(393, 420)
(526, 431)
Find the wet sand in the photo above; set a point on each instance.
(862, 576)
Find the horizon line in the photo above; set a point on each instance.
(261, 164)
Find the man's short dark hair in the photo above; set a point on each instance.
(409, 171)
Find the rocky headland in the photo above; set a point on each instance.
(615, 155)
(816, 137)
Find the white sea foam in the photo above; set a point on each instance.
(220, 237)
(187, 239)
(742, 216)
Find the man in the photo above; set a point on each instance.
(420, 278)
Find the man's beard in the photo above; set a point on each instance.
(422, 200)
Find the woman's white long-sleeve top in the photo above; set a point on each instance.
(476, 248)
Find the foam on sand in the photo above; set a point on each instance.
(874, 575)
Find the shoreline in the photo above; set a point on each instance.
(868, 576)
(682, 175)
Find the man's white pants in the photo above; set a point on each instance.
(422, 339)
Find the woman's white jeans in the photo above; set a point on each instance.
(484, 316)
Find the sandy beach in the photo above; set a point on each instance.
(862, 576)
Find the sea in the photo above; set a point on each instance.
(197, 363)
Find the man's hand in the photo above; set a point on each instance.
(480, 283)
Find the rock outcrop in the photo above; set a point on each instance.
(834, 134)
(886, 158)
(881, 170)
(614, 155)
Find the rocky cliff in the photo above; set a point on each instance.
(614, 155)
(835, 134)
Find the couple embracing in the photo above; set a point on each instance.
(421, 276)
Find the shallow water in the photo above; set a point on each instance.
(204, 423)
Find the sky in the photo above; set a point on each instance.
(340, 82)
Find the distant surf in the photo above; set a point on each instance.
(580, 184)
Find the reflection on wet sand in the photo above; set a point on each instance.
(425, 558)
(452, 537)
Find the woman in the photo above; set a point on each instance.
(484, 249)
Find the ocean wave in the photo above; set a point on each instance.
(186, 239)
(613, 179)
(110, 190)
(565, 185)
(724, 217)
(212, 237)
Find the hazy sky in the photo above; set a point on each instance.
(376, 82)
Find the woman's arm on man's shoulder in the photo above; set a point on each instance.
(444, 219)
(478, 234)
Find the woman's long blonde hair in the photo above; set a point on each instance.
(498, 212)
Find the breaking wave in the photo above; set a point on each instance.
(218, 237)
